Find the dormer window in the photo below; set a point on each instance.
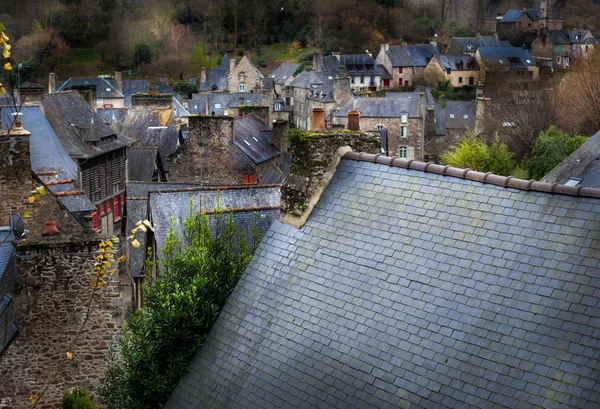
(404, 118)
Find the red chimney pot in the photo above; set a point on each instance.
(50, 229)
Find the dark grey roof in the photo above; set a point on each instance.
(224, 66)
(584, 164)
(412, 289)
(46, 151)
(163, 88)
(283, 72)
(416, 55)
(137, 189)
(568, 36)
(274, 175)
(245, 201)
(506, 44)
(385, 75)
(72, 118)
(359, 64)
(502, 56)
(383, 107)
(471, 44)
(457, 62)
(104, 89)
(77, 203)
(330, 63)
(440, 120)
(131, 87)
(197, 105)
(399, 56)
(456, 112)
(248, 136)
(112, 116)
(533, 14)
(511, 16)
(312, 80)
(142, 161)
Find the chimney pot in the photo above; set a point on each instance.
(247, 54)
(50, 229)
(18, 124)
(353, 120)
(51, 83)
(318, 120)
(203, 74)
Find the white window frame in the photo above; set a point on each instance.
(404, 118)
(380, 127)
(217, 106)
(465, 116)
(242, 87)
(402, 152)
(404, 132)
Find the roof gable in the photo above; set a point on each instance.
(407, 288)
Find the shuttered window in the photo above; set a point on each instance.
(95, 220)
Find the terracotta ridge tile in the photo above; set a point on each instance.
(70, 193)
(59, 182)
(469, 174)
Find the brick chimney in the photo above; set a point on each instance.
(203, 75)
(281, 129)
(318, 120)
(119, 81)
(247, 54)
(51, 83)
(353, 120)
(15, 168)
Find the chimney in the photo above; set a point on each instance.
(51, 83)
(337, 55)
(50, 229)
(203, 75)
(119, 81)
(240, 101)
(215, 132)
(281, 129)
(318, 120)
(353, 120)
(247, 54)
(341, 88)
(231, 63)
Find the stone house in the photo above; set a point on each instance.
(99, 152)
(400, 116)
(222, 103)
(227, 150)
(244, 77)
(405, 63)
(362, 70)
(519, 21)
(216, 79)
(283, 75)
(450, 124)
(561, 48)
(503, 61)
(469, 45)
(97, 91)
(459, 70)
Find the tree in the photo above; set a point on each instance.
(196, 277)
(579, 96)
(471, 152)
(551, 148)
(77, 398)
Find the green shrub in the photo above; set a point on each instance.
(77, 398)
(551, 148)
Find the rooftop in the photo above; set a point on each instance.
(249, 137)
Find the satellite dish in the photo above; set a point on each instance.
(17, 226)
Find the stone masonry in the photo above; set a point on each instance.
(52, 296)
(15, 173)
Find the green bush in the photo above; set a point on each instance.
(196, 277)
(551, 148)
(77, 398)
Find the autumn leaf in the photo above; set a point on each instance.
(69, 355)
(5, 53)
(2, 91)
(142, 228)
(33, 399)
(121, 259)
(135, 243)
(7, 66)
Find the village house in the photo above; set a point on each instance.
(412, 284)
(405, 63)
(502, 61)
(469, 45)
(283, 75)
(519, 21)
(364, 74)
(244, 77)
(216, 79)
(561, 48)
(219, 103)
(97, 91)
(99, 152)
(458, 70)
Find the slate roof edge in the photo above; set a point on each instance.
(143, 147)
(488, 177)
(135, 198)
(200, 188)
(242, 209)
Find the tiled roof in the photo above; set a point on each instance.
(471, 44)
(457, 62)
(417, 55)
(131, 87)
(502, 56)
(249, 138)
(312, 80)
(283, 73)
(245, 201)
(408, 288)
(142, 161)
(511, 16)
(383, 107)
(73, 120)
(460, 114)
(533, 14)
(104, 89)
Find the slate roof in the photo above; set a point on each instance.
(142, 162)
(533, 14)
(385, 75)
(456, 112)
(246, 201)
(584, 164)
(471, 44)
(501, 56)
(359, 64)
(382, 107)
(312, 80)
(283, 72)
(73, 119)
(408, 288)
(163, 88)
(137, 209)
(131, 87)
(416, 55)
(248, 136)
(568, 36)
(112, 116)
(453, 62)
(511, 16)
(104, 89)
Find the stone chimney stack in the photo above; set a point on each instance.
(203, 75)
(281, 130)
(353, 120)
(119, 81)
(429, 124)
(212, 131)
(318, 120)
(15, 168)
(341, 88)
(231, 63)
(51, 83)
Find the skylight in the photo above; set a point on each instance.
(573, 181)
(107, 89)
(256, 140)
(246, 142)
(528, 61)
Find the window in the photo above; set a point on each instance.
(403, 131)
(404, 118)
(563, 48)
(248, 178)
(451, 116)
(217, 106)
(400, 70)
(573, 181)
(508, 124)
(465, 116)
(448, 71)
(242, 87)
(362, 79)
(400, 82)
(277, 107)
(471, 80)
(556, 49)
(558, 60)
(460, 80)
(380, 127)
(386, 83)
(567, 61)
(402, 152)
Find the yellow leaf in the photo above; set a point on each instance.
(121, 259)
(69, 355)
(7, 47)
(142, 228)
(7, 66)
(138, 223)
(135, 243)
(6, 53)
(107, 264)
(2, 91)
(109, 243)
(130, 237)
(102, 245)
(148, 224)
(33, 399)
(41, 190)
(133, 231)
(31, 199)
(4, 38)
(26, 215)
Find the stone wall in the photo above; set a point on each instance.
(51, 299)
(244, 73)
(15, 171)
(260, 111)
(164, 101)
(313, 155)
